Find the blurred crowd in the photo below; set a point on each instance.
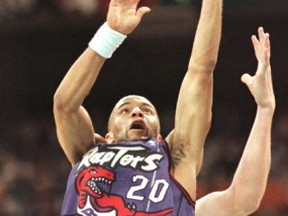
(34, 169)
(11, 9)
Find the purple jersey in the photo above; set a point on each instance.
(125, 179)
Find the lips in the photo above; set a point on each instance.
(138, 125)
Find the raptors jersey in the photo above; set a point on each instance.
(125, 179)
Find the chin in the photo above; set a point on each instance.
(145, 137)
(139, 138)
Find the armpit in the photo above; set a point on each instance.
(177, 153)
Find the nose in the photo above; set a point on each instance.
(137, 112)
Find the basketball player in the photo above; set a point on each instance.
(133, 170)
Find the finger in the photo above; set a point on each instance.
(255, 42)
(245, 78)
(261, 35)
(256, 46)
(266, 56)
(267, 42)
(266, 50)
(260, 31)
(142, 11)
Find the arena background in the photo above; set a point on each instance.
(39, 41)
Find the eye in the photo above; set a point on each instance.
(147, 111)
(124, 111)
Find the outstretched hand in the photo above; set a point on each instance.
(124, 15)
(260, 85)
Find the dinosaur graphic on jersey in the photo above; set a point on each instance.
(87, 186)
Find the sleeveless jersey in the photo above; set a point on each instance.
(125, 179)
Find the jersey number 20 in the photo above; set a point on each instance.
(157, 192)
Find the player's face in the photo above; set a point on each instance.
(133, 118)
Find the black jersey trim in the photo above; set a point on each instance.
(184, 191)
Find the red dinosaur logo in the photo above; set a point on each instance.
(90, 183)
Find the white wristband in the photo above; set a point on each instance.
(106, 41)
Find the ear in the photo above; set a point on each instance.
(109, 138)
(159, 138)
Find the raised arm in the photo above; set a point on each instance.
(193, 112)
(249, 183)
(74, 127)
